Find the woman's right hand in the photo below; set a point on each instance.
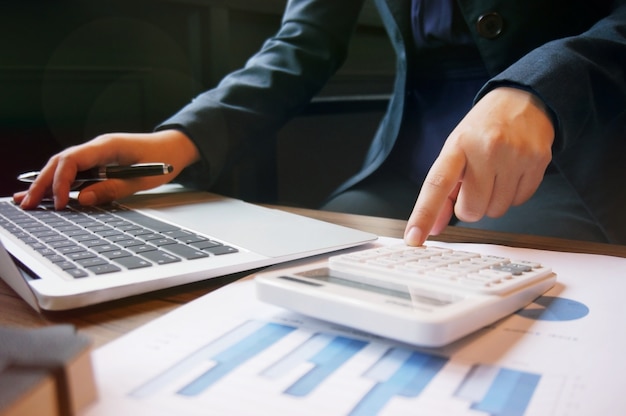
(56, 177)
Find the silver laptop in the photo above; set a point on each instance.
(154, 240)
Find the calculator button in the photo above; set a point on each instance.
(514, 269)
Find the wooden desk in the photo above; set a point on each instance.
(106, 322)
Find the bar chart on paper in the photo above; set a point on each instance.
(229, 354)
(295, 366)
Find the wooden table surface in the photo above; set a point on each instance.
(105, 322)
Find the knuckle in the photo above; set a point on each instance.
(492, 141)
(437, 180)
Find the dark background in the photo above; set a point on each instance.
(73, 69)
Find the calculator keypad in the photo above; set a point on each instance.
(444, 267)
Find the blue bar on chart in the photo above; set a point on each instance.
(498, 391)
(236, 355)
(225, 353)
(326, 351)
(399, 372)
(336, 351)
(297, 356)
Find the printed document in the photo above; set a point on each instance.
(227, 353)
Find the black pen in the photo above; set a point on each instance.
(112, 172)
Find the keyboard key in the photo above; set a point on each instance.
(221, 249)
(81, 255)
(104, 268)
(66, 265)
(61, 243)
(96, 242)
(105, 247)
(184, 251)
(206, 244)
(132, 262)
(116, 254)
(144, 220)
(142, 248)
(76, 272)
(185, 236)
(160, 257)
(129, 243)
(162, 241)
(91, 261)
(69, 249)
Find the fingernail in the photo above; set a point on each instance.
(413, 236)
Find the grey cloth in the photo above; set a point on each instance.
(555, 210)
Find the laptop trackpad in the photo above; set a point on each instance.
(267, 231)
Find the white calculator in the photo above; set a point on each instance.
(427, 296)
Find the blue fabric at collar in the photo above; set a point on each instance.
(437, 23)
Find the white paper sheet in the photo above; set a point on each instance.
(229, 354)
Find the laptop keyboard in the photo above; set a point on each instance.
(89, 241)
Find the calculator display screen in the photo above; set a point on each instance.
(413, 295)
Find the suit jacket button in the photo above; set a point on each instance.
(490, 25)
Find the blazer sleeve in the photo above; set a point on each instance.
(581, 78)
(251, 104)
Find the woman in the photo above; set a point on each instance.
(537, 88)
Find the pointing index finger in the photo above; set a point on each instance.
(441, 181)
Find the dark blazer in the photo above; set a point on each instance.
(571, 53)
